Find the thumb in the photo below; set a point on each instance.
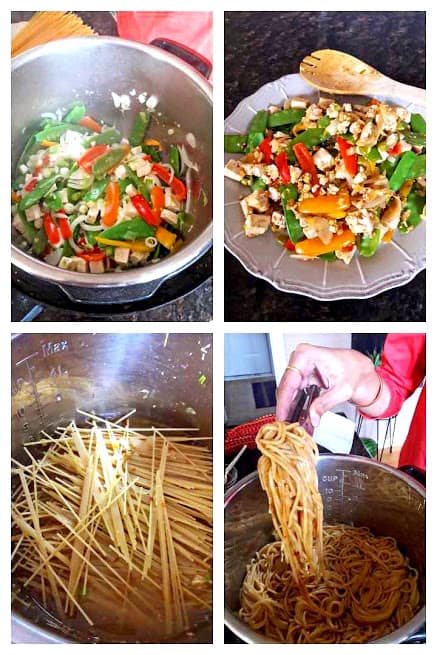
(327, 401)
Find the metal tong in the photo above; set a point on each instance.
(300, 408)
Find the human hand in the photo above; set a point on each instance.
(343, 375)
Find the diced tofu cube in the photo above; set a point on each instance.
(23, 168)
(145, 168)
(17, 224)
(258, 200)
(38, 223)
(256, 224)
(92, 214)
(131, 190)
(323, 159)
(137, 150)
(298, 103)
(121, 255)
(97, 267)
(169, 216)
(120, 172)
(278, 220)
(274, 194)
(138, 257)
(170, 201)
(81, 266)
(33, 213)
(234, 170)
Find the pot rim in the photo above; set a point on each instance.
(244, 632)
(136, 276)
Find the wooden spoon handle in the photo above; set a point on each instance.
(390, 88)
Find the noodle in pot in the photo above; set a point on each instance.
(319, 584)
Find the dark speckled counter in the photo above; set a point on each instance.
(263, 46)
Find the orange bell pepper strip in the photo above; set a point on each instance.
(305, 161)
(90, 123)
(388, 236)
(112, 204)
(325, 204)
(316, 247)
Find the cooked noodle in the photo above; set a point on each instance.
(355, 588)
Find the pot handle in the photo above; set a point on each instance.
(111, 295)
(417, 638)
(200, 63)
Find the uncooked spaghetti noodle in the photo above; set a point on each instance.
(112, 530)
(45, 26)
(363, 587)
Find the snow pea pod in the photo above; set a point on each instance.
(175, 159)
(311, 137)
(139, 128)
(106, 137)
(294, 229)
(415, 204)
(39, 191)
(368, 245)
(40, 242)
(402, 170)
(55, 131)
(418, 168)
(107, 161)
(97, 190)
(259, 121)
(76, 112)
(415, 138)
(253, 140)
(235, 143)
(135, 228)
(286, 117)
(29, 229)
(418, 123)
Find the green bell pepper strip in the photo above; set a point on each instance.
(142, 187)
(418, 168)
(259, 184)
(106, 137)
(259, 121)
(253, 140)
(312, 137)
(135, 228)
(294, 229)
(235, 143)
(402, 170)
(285, 117)
(97, 190)
(107, 161)
(39, 191)
(174, 157)
(76, 112)
(40, 242)
(141, 123)
(415, 138)
(67, 250)
(369, 245)
(418, 123)
(29, 229)
(415, 204)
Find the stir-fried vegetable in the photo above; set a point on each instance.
(85, 198)
(331, 180)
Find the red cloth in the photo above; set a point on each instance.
(191, 28)
(403, 368)
(244, 435)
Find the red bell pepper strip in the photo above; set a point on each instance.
(112, 204)
(283, 167)
(290, 245)
(31, 184)
(266, 150)
(52, 230)
(89, 157)
(95, 256)
(90, 123)
(65, 228)
(145, 211)
(305, 161)
(176, 185)
(396, 150)
(350, 160)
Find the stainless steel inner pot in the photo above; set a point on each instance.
(53, 375)
(53, 75)
(354, 490)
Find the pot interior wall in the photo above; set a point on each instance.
(91, 68)
(354, 491)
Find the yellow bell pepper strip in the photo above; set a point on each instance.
(153, 142)
(111, 205)
(48, 144)
(15, 197)
(325, 204)
(316, 247)
(165, 237)
(305, 161)
(136, 246)
(350, 159)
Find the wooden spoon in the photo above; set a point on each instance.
(337, 72)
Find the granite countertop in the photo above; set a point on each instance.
(194, 305)
(263, 46)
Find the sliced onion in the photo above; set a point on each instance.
(171, 169)
(77, 221)
(191, 139)
(185, 160)
(93, 228)
(74, 245)
(189, 189)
